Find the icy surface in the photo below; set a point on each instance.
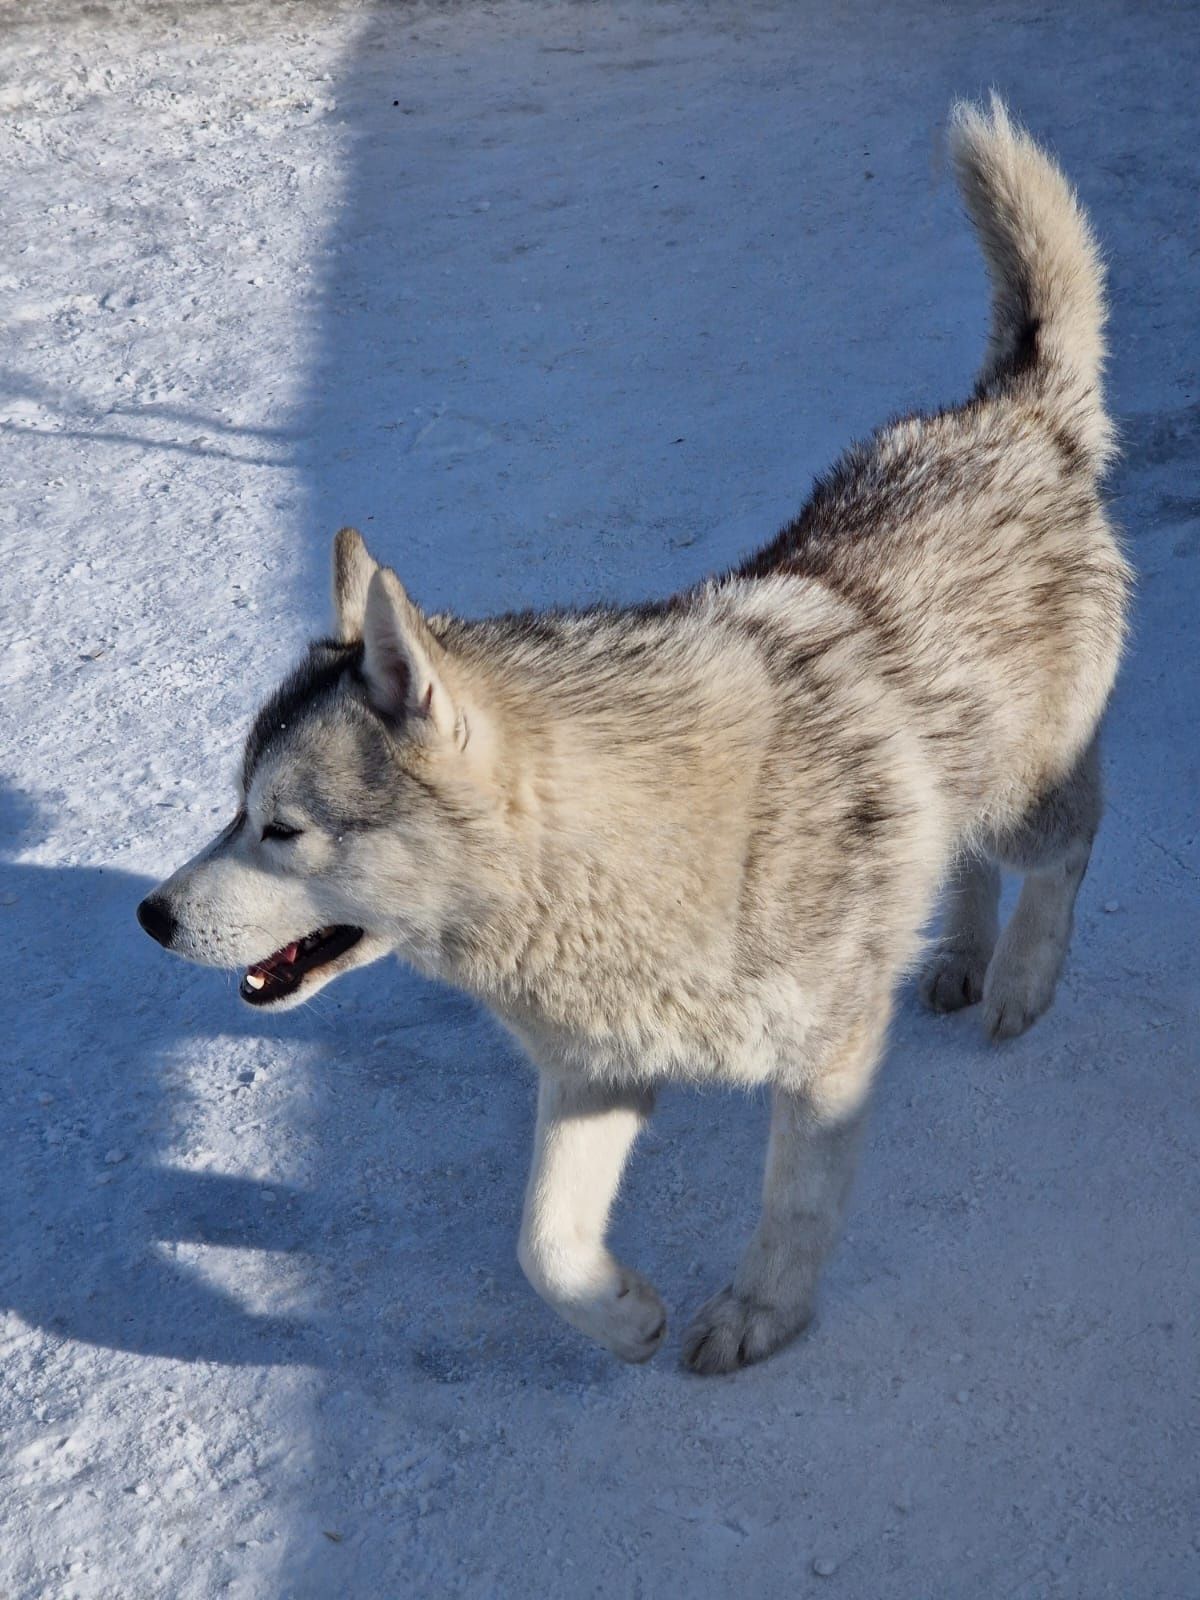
(555, 302)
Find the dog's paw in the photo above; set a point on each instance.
(953, 979)
(606, 1301)
(627, 1316)
(731, 1332)
(636, 1321)
(1018, 990)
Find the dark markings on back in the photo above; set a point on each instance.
(1021, 357)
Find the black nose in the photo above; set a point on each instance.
(155, 916)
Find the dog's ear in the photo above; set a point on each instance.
(403, 664)
(353, 569)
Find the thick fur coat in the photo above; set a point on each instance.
(701, 838)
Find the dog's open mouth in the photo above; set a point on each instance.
(282, 974)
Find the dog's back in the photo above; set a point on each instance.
(973, 543)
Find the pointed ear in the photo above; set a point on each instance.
(403, 664)
(353, 569)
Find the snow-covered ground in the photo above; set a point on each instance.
(554, 301)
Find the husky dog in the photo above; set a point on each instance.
(699, 839)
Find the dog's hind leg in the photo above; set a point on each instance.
(1051, 846)
(584, 1135)
(954, 974)
(811, 1155)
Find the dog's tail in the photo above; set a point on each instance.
(1047, 279)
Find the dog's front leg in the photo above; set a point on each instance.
(584, 1134)
(811, 1157)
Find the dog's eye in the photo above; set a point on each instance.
(277, 830)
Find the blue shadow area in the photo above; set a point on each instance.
(100, 1228)
(91, 1218)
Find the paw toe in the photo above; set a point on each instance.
(1013, 1001)
(731, 1332)
(1007, 1016)
(953, 979)
(640, 1324)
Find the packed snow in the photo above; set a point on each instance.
(555, 302)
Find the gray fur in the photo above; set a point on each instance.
(700, 839)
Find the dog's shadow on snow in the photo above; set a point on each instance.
(116, 1209)
(93, 1219)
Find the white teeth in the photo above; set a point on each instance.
(254, 981)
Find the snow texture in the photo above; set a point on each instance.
(555, 301)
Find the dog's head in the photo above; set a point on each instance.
(366, 809)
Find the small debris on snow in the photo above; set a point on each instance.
(1112, 905)
(824, 1567)
(114, 1157)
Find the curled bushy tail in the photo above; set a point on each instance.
(1047, 279)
